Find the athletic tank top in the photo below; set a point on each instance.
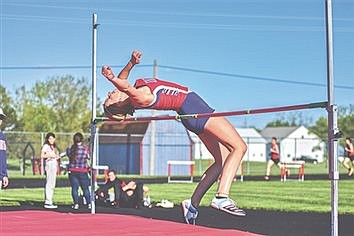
(350, 154)
(167, 95)
(274, 155)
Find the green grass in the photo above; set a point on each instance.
(307, 196)
(250, 168)
(292, 196)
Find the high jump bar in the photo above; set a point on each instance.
(216, 114)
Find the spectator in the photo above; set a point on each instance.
(4, 180)
(116, 192)
(274, 157)
(50, 155)
(349, 149)
(78, 169)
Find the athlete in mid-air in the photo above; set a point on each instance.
(219, 136)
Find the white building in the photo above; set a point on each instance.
(295, 142)
(256, 146)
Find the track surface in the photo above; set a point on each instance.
(257, 222)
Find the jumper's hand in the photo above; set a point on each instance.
(5, 181)
(136, 55)
(107, 72)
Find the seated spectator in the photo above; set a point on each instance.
(116, 192)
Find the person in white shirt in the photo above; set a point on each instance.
(50, 154)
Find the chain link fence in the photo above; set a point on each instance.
(24, 149)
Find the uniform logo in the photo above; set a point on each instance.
(170, 91)
(2, 145)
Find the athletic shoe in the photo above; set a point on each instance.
(227, 205)
(89, 206)
(165, 204)
(266, 177)
(190, 213)
(50, 206)
(147, 202)
(75, 206)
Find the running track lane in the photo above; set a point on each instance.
(35, 223)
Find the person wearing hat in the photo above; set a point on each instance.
(4, 181)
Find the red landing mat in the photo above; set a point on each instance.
(20, 223)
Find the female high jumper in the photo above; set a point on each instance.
(219, 136)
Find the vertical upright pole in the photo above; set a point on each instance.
(153, 132)
(94, 69)
(92, 172)
(333, 131)
(94, 99)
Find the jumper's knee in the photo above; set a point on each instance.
(241, 148)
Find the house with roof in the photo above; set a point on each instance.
(295, 142)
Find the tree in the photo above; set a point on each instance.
(6, 104)
(278, 123)
(320, 128)
(346, 120)
(345, 123)
(295, 118)
(60, 104)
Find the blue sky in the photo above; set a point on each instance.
(259, 43)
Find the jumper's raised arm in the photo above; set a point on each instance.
(135, 59)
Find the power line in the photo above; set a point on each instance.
(59, 67)
(174, 13)
(253, 77)
(239, 76)
(179, 25)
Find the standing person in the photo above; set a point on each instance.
(78, 170)
(50, 154)
(274, 157)
(4, 180)
(349, 149)
(217, 133)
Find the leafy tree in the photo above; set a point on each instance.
(345, 123)
(278, 123)
(346, 120)
(60, 104)
(296, 118)
(6, 104)
(320, 128)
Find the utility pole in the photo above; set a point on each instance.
(153, 131)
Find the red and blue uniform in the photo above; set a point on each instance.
(167, 95)
(172, 96)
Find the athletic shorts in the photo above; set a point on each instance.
(276, 161)
(351, 158)
(194, 104)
